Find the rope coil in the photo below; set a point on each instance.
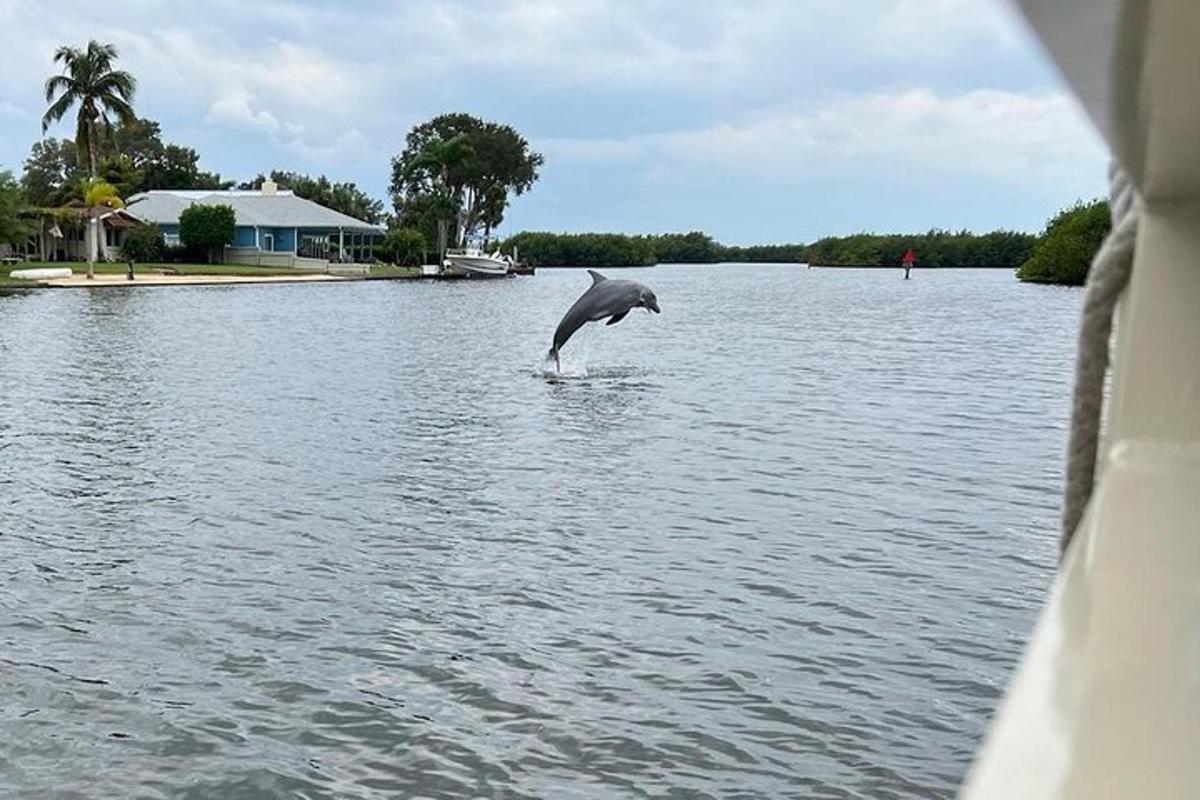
(1107, 278)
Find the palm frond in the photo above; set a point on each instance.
(100, 57)
(122, 109)
(118, 82)
(56, 84)
(102, 50)
(89, 80)
(66, 55)
(57, 110)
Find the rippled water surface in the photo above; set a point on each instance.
(784, 540)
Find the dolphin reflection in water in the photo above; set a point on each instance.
(611, 299)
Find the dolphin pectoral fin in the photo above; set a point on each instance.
(615, 318)
(596, 277)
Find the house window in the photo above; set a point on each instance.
(268, 241)
(171, 239)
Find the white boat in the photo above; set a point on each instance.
(41, 273)
(1106, 701)
(473, 261)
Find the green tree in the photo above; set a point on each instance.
(1070, 242)
(471, 163)
(89, 81)
(405, 246)
(139, 138)
(421, 212)
(178, 167)
(435, 182)
(15, 227)
(162, 165)
(207, 228)
(52, 173)
(344, 197)
(122, 173)
(134, 158)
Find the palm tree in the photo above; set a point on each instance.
(98, 195)
(89, 80)
(440, 160)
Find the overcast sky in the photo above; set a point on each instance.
(754, 120)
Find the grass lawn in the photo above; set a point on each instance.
(116, 268)
(378, 271)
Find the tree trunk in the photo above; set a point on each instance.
(92, 161)
(91, 245)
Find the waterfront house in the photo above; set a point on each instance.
(62, 234)
(274, 226)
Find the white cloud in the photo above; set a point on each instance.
(232, 107)
(189, 60)
(785, 92)
(702, 47)
(299, 97)
(998, 135)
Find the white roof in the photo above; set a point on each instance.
(283, 209)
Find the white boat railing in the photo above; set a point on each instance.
(1106, 702)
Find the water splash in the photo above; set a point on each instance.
(573, 357)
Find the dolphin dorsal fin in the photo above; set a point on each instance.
(596, 277)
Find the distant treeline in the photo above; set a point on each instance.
(581, 249)
(933, 249)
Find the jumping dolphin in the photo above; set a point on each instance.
(605, 298)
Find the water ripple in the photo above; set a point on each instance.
(785, 540)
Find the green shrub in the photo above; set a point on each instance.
(207, 228)
(404, 246)
(143, 244)
(14, 227)
(1066, 249)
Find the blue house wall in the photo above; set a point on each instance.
(243, 236)
(285, 239)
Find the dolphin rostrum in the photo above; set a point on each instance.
(605, 298)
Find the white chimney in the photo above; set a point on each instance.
(269, 186)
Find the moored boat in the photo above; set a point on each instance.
(472, 261)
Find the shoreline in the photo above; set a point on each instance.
(111, 276)
(149, 281)
(103, 281)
